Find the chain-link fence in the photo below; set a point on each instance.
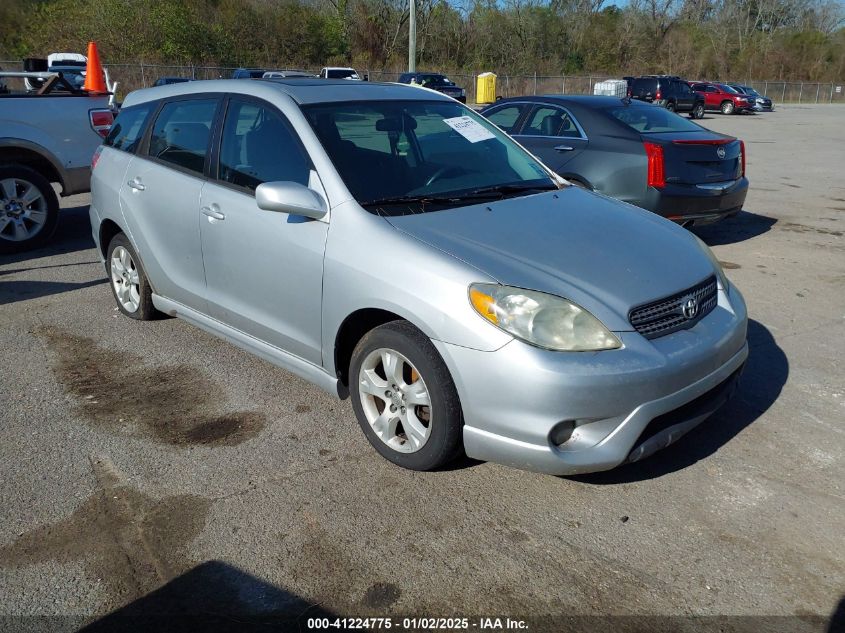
(133, 76)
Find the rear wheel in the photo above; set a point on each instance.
(727, 107)
(404, 397)
(29, 209)
(129, 284)
(697, 111)
(670, 106)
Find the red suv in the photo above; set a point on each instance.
(722, 97)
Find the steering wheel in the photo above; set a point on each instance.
(439, 173)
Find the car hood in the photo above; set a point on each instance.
(604, 255)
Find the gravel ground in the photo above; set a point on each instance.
(150, 468)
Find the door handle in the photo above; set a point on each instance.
(213, 212)
(564, 148)
(136, 184)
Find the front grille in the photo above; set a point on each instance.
(671, 314)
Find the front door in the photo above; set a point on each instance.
(264, 269)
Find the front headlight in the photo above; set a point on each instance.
(720, 274)
(541, 319)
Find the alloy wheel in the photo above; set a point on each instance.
(23, 210)
(125, 279)
(395, 400)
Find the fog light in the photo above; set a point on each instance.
(561, 432)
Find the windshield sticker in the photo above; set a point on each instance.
(469, 128)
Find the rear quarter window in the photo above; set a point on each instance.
(652, 120)
(129, 127)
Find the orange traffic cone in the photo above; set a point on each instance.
(94, 81)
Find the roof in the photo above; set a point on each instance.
(302, 90)
(592, 101)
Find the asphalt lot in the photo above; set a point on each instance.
(277, 505)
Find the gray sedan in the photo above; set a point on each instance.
(391, 245)
(631, 150)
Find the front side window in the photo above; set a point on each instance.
(393, 154)
(551, 121)
(505, 117)
(181, 132)
(652, 120)
(128, 128)
(258, 146)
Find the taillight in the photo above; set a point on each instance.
(742, 155)
(96, 157)
(658, 96)
(101, 121)
(656, 171)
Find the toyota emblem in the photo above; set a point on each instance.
(690, 308)
(720, 152)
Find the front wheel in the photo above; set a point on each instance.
(727, 107)
(29, 209)
(404, 397)
(697, 111)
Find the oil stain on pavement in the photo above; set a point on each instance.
(174, 404)
(127, 540)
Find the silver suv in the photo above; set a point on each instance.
(389, 244)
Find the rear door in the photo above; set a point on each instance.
(644, 89)
(160, 198)
(552, 134)
(264, 269)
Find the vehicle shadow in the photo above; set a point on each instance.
(762, 380)
(213, 597)
(21, 290)
(837, 618)
(743, 226)
(73, 234)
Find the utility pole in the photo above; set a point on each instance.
(412, 38)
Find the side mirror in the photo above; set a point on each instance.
(290, 197)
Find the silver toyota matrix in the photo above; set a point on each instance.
(389, 244)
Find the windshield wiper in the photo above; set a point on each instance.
(504, 190)
(499, 191)
(405, 200)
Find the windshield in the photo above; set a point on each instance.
(435, 80)
(728, 89)
(652, 120)
(411, 152)
(750, 91)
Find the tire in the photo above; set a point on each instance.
(670, 106)
(727, 107)
(435, 436)
(29, 209)
(697, 111)
(133, 296)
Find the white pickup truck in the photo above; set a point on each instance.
(46, 136)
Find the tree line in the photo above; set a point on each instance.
(771, 39)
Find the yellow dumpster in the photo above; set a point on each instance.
(485, 90)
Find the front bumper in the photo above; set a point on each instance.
(697, 203)
(513, 398)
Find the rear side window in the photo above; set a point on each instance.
(551, 121)
(258, 146)
(646, 120)
(505, 117)
(181, 132)
(128, 128)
